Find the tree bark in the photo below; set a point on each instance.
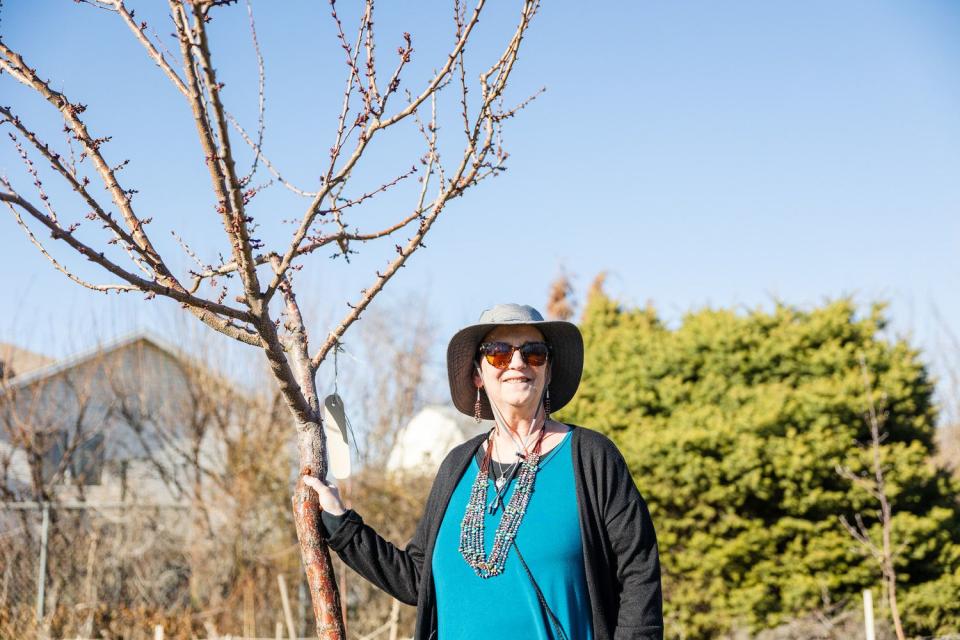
(321, 580)
(889, 573)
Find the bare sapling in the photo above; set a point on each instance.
(874, 483)
(248, 292)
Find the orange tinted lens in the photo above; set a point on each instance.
(534, 353)
(498, 354)
(499, 360)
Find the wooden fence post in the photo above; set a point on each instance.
(287, 614)
(42, 570)
(868, 614)
(394, 619)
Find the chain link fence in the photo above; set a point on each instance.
(133, 571)
(20, 535)
(119, 571)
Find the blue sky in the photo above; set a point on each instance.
(701, 153)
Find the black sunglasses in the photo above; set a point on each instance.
(500, 354)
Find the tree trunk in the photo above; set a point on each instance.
(313, 548)
(891, 577)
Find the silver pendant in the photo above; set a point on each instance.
(499, 482)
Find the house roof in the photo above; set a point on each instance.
(20, 361)
(52, 368)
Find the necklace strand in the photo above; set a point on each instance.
(472, 546)
(501, 479)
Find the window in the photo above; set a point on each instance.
(86, 464)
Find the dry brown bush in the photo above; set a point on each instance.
(223, 454)
(117, 564)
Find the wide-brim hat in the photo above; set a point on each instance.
(566, 356)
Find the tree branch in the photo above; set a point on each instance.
(258, 152)
(147, 286)
(238, 230)
(144, 261)
(261, 97)
(13, 62)
(219, 163)
(152, 51)
(364, 139)
(104, 288)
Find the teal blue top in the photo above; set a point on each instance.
(506, 606)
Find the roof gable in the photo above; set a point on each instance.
(15, 361)
(54, 368)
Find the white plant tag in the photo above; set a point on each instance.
(338, 443)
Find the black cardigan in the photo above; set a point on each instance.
(619, 544)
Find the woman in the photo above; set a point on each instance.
(534, 530)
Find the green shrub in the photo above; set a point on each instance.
(733, 425)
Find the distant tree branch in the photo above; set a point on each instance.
(876, 487)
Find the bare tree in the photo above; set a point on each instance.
(597, 285)
(560, 304)
(249, 293)
(398, 338)
(947, 358)
(199, 465)
(875, 484)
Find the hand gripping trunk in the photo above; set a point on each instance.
(316, 560)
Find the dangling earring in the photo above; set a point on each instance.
(476, 407)
(546, 405)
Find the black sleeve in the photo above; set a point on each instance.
(331, 522)
(634, 543)
(394, 570)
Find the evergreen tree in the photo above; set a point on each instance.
(733, 425)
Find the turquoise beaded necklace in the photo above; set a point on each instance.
(472, 527)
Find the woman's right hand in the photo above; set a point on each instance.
(327, 494)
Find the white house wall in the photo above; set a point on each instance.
(429, 437)
(138, 397)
